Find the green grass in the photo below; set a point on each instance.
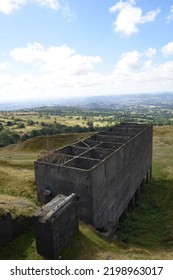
(147, 231)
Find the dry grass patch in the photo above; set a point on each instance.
(17, 206)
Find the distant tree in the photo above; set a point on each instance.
(90, 125)
(7, 137)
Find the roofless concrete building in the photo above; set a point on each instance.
(105, 171)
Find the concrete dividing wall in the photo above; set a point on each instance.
(55, 225)
(105, 175)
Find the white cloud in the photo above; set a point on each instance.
(129, 17)
(129, 62)
(53, 71)
(29, 54)
(57, 59)
(59, 71)
(5, 65)
(167, 49)
(170, 17)
(9, 6)
(67, 12)
(133, 73)
(151, 52)
(53, 4)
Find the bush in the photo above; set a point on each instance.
(21, 125)
(30, 122)
(7, 137)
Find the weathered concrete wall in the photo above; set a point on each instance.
(11, 228)
(64, 180)
(117, 179)
(55, 225)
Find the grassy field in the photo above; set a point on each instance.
(15, 118)
(146, 233)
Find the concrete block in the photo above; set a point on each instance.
(55, 225)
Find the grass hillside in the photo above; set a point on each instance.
(146, 233)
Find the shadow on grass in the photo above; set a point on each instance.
(24, 248)
(80, 247)
(150, 224)
(21, 248)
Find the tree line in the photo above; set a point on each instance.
(8, 136)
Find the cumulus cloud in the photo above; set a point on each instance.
(9, 6)
(60, 71)
(57, 59)
(51, 72)
(134, 72)
(167, 49)
(129, 17)
(129, 62)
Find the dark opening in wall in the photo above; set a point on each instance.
(86, 143)
(72, 151)
(109, 145)
(108, 138)
(82, 163)
(97, 153)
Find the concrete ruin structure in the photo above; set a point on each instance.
(106, 172)
(55, 225)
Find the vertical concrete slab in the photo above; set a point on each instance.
(55, 225)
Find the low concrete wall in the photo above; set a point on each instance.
(10, 228)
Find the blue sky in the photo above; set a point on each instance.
(60, 49)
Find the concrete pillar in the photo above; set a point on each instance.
(147, 177)
(138, 193)
(132, 202)
(142, 185)
(150, 172)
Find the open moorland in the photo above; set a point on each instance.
(146, 233)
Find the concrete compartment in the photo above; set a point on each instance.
(89, 144)
(82, 163)
(72, 151)
(109, 145)
(108, 138)
(55, 158)
(97, 153)
(124, 131)
(132, 125)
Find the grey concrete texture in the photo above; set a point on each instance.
(11, 228)
(55, 225)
